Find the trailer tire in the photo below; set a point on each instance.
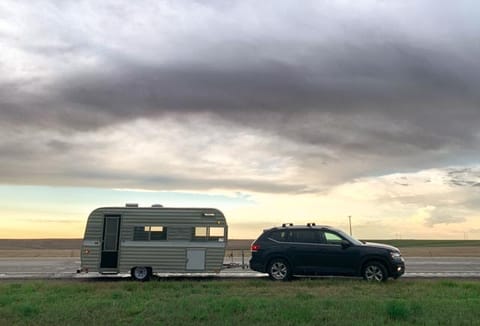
(141, 273)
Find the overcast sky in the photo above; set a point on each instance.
(326, 103)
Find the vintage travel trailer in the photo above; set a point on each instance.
(157, 239)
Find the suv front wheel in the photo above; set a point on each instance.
(375, 272)
(279, 270)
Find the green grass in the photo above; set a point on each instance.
(240, 302)
(429, 243)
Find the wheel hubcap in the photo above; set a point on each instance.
(278, 270)
(373, 273)
(140, 272)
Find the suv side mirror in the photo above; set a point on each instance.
(345, 244)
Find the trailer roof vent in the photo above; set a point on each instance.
(287, 224)
(310, 224)
(157, 206)
(131, 205)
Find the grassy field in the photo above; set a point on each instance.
(240, 302)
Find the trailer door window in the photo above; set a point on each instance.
(110, 237)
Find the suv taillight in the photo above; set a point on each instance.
(255, 247)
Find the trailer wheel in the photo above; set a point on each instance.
(140, 273)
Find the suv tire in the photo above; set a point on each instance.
(374, 272)
(279, 270)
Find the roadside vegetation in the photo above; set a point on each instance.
(239, 302)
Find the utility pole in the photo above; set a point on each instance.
(350, 223)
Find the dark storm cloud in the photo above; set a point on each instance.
(393, 80)
(438, 107)
(369, 88)
(275, 86)
(363, 68)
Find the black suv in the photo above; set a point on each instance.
(322, 250)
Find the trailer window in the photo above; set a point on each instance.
(217, 232)
(201, 232)
(207, 233)
(149, 232)
(158, 233)
(140, 233)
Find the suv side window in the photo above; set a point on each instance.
(332, 238)
(307, 236)
(282, 235)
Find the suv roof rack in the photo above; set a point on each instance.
(287, 224)
(311, 224)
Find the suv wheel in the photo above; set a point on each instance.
(375, 272)
(279, 270)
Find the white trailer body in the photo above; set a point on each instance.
(154, 240)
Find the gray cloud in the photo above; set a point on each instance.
(358, 91)
(443, 219)
(464, 177)
(103, 178)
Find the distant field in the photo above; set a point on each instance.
(19, 244)
(430, 243)
(240, 302)
(40, 253)
(436, 248)
(71, 247)
(9, 244)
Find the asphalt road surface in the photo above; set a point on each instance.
(468, 267)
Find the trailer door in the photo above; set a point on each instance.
(195, 260)
(111, 228)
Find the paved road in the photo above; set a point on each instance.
(443, 267)
(66, 268)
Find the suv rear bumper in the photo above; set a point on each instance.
(257, 266)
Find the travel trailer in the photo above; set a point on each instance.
(147, 240)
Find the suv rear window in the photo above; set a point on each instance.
(307, 236)
(281, 235)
